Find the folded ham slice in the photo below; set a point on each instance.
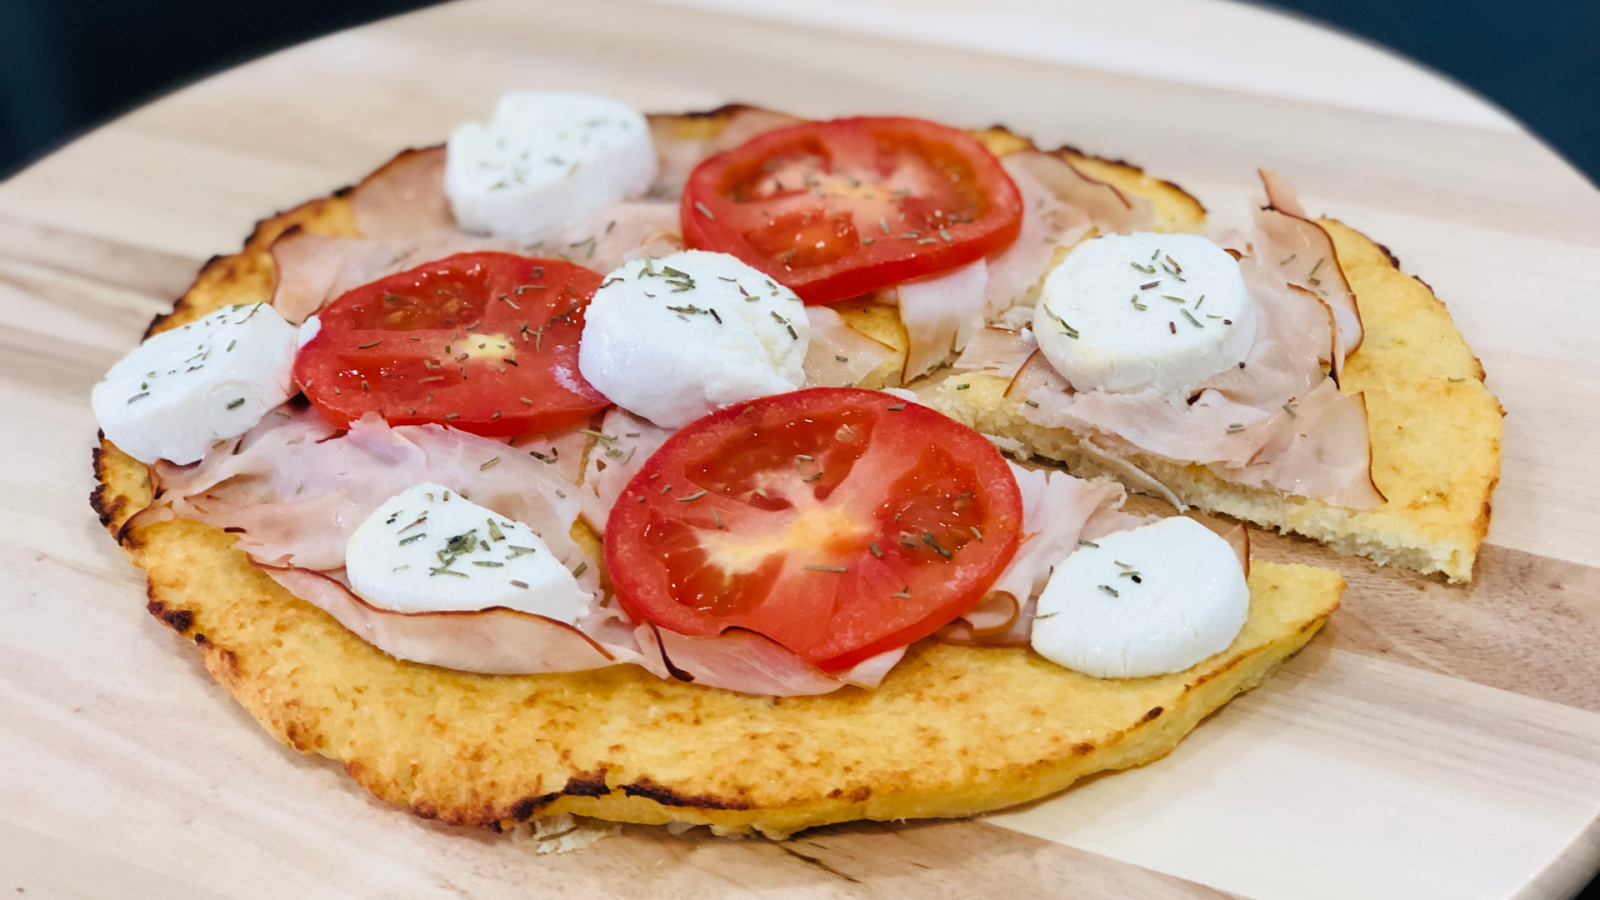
(1315, 446)
(838, 355)
(1056, 509)
(404, 197)
(1302, 253)
(312, 270)
(997, 351)
(496, 641)
(293, 488)
(682, 142)
(626, 442)
(561, 450)
(940, 315)
(1058, 513)
(1048, 222)
(744, 661)
(1061, 206)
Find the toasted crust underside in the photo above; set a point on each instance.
(1435, 432)
(953, 731)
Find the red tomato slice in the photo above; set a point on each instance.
(838, 522)
(838, 209)
(484, 342)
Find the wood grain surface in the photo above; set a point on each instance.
(1434, 741)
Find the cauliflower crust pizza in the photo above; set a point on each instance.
(650, 468)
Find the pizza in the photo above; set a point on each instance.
(706, 468)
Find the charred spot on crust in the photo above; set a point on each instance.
(1214, 673)
(1083, 749)
(228, 662)
(109, 510)
(1152, 715)
(1393, 260)
(178, 620)
(587, 784)
(523, 809)
(127, 538)
(199, 638)
(183, 303)
(666, 796)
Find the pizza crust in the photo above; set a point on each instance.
(953, 731)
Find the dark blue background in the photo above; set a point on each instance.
(67, 65)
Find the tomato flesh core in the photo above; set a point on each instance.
(822, 519)
(484, 342)
(839, 209)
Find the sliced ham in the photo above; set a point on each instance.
(1036, 373)
(751, 663)
(618, 456)
(1235, 533)
(838, 355)
(1293, 336)
(501, 641)
(682, 142)
(940, 315)
(1127, 473)
(311, 270)
(614, 234)
(1055, 508)
(997, 351)
(496, 641)
(1061, 207)
(561, 450)
(293, 488)
(1322, 450)
(404, 197)
(1280, 195)
(1048, 222)
(1301, 252)
(1110, 210)
(1058, 512)
(1314, 446)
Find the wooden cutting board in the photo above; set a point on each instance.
(1433, 741)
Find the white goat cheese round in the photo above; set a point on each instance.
(673, 339)
(183, 390)
(1149, 601)
(1135, 312)
(426, 549)
(546, 159)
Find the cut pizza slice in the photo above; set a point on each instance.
(1390, 450)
